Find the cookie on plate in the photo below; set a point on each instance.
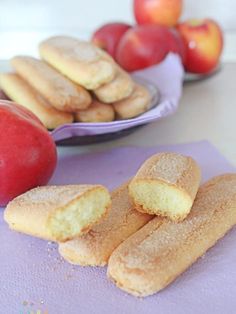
(82, 62)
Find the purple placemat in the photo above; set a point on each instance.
(34, 277)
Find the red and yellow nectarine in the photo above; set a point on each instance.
(108, 36)
(145, 45)
(163, 12)
(204, 43)
(142, 46)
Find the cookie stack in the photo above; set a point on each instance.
(74, 82)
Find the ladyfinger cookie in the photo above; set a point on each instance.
(60, 92)
(58, 213)
(119, 88)
(97, 112)
(159, 252)
(166, 185)
(22, 93)
(137, 103)
(95, 247)
(80, 61)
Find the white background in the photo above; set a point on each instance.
(23, 23)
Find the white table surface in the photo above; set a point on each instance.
(207, 111)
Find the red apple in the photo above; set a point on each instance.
(204, 43)
(27, 151)
(108, 36)
(176, 44)
(142, 46)
(163, 12)
(146, 45)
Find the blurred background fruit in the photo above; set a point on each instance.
(198, 42)
(162, 12)
(108, 36)
(176, 44)
(203, 41)
(142, 46)
(145, 45)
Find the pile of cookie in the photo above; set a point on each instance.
(148, 231)
(74, 82)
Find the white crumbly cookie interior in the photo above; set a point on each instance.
(73, 219)
(157, 197)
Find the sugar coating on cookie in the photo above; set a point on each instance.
(22, 93)
(166, 185)
(119, 88)
(138, 102)
(58, 213)
(95, 247)
(159, 252)
(80, 61)
(97, 112)
(60, 92)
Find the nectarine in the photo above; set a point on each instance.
(142, 46)
(204, 43)
(145, 45)
(176, 44)
(163, 12)
(108, 36)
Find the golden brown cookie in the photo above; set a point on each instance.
(82, 62)
(166, 184)
(60, 92)
(119, 88)
(58, 213)
(97, 112)
(95, 247)
(158, 253)
(22, 93)
(137, 103)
